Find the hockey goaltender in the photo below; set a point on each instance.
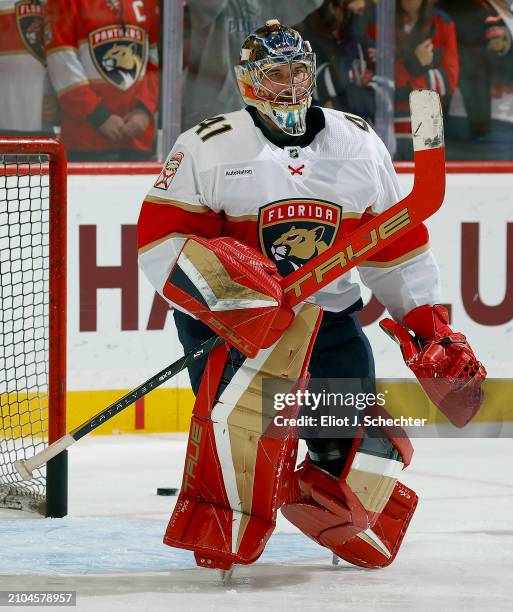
(228, 218)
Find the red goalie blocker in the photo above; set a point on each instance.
(232, 288)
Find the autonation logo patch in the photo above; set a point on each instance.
(238, 172)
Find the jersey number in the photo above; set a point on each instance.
(358, 121)
(210, 127)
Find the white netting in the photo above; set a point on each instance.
(24, 317)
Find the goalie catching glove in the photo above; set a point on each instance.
(442, 360)
(232, 288)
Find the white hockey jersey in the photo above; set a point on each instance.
(225, 178)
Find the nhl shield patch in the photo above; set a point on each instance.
(119, 53)
(29, 19)
(169, 171)
(291, 232)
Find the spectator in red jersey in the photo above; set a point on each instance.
(426, 58)
(27, 106)
(103, 63)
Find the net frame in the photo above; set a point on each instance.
(53, 501)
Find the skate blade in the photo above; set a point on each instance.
(226, 575)
(335, 560)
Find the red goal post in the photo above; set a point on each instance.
(32, 319)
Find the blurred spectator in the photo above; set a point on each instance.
(426, 58)
(27, 105)
(480, 120)
(499, 31)
(475, 75)
(337, 33)
(218, 29)
(103, 63)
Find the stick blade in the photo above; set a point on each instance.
(427, 125)
(22, 469)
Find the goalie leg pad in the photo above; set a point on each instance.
(378, 546)
(361, 516)
(237, 471)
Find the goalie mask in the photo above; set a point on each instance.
(276, 75)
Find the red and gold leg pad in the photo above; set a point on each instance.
(238, 467)
(362, 516)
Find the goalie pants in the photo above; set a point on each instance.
(341, 349)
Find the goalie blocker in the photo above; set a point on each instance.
(232, 288)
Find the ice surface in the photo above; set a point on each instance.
(457, 555)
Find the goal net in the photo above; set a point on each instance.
(32, 320)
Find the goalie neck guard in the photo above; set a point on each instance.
(276, 75)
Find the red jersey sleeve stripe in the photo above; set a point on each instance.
(159, 220)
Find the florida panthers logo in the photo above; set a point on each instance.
(119, 53)
(169, 171)
(29, 18)
(293, 231)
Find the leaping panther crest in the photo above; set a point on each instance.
(297, 246)
(124, 60)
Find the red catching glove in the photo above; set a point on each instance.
(232, 288)
(442, 360)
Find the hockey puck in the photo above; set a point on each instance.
(166, 491)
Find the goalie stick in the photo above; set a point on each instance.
(424, 200)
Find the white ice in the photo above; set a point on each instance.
(457, 554)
